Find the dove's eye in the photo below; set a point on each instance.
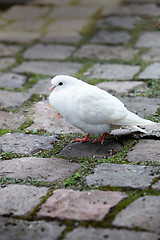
(61, 83)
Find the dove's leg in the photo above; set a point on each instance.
(102, 138)
(85, 139)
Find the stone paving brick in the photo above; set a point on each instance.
(21, 12)
(38, 230)
(100, 2)
(19, 37)
(142, 2)
(52, 123)
(143, 213)
(112, 234)
(12, 80)
(70, 204)
(3, 22)
(41, 51)
(151, 72)
(123, 175)
(20, 199)
(62, 37)
(102, 52)
(156, 186)
(9, 50)
(68, 25)
(26, 25)
(91, 150)
(9, 120)
(145, 150)
(152, 55)
(6, 62)
(122, 87)
(153, 131)
(65, 30)
(127, 22)
(111, 37)
(49, 68)
(149, 39)
(73, 12)
(143, 106)
(13, 99)
(44, 169)
(52, 2)
(112, 71)
(25, 143)
(41, 87)
(133, 9)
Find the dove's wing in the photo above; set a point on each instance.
(96, 106)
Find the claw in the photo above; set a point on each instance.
(102, 138)
(85, 139)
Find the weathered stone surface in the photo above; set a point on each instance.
(49, 68)
(6, 62)
(93, 51)
(112, 234)
(53, 2)
(9, 50)
(26, 25)
(63, 37)
(41, 87)
(100, 2)
(21, 12)
(65, 30)
(143, 213)
(156, 186)
(152, 55)
(153, 131)
(151, 72)
(18, 229)
(122, 87)
(149, 39)
(142, 2)
(124, 175)
(143, 106)
(9, 120)
(20, 199)
(52, 123)
(73, 12)
(12, 80)
(133, 9)
(25, 143)
(91, 150)
(20, 37)
(127, 22)
(68, 25)
(44, 169)
(145, 150)
(70, 204)
(12, 99)
(111, 37)
(41, 51)
(112, 71)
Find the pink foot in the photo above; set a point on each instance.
(102, 138)
(85, 139)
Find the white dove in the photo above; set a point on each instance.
(90, 108)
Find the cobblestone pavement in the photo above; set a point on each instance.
(51, 188)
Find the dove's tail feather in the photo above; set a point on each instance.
(134, 120)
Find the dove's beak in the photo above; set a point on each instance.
(51, 88)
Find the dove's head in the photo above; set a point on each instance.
(60, 81)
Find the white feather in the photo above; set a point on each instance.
(90, 108)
